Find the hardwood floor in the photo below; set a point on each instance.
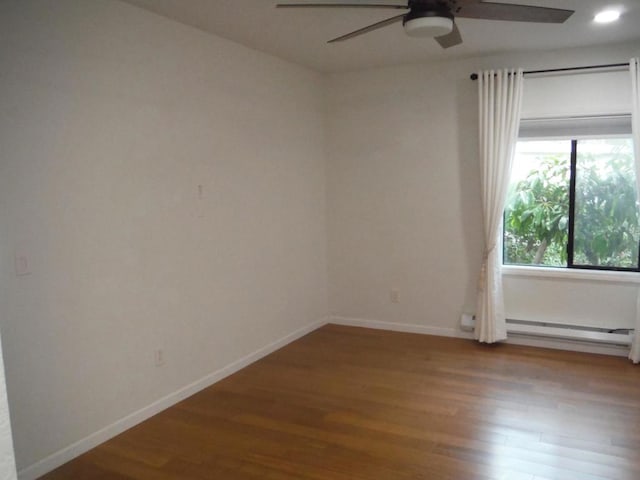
(348, 403)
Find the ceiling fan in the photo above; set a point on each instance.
(436, 18)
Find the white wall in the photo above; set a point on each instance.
(110, 120)
(402, 190)
(596, 303)
(404, 197)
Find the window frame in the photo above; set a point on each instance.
(602, 272)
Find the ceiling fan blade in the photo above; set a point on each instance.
(513, 13)
(339, 5)
(450, 39)
(370, 28)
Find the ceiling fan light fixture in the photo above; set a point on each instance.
(428, 25)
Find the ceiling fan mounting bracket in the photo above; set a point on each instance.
(448, 5)
(418, 12)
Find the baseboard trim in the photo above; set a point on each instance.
(66, 454)
(399, 327)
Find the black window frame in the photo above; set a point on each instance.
(573, 170)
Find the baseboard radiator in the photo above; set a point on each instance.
(618, 336)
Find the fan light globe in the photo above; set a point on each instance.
(428, 26)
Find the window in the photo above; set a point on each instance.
(573, 203)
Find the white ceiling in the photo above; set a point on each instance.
(300, 35)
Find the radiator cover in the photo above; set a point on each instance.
(580, 333)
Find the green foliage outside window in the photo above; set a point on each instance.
(606, 230)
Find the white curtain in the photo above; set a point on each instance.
(634, 67)
(500, 95)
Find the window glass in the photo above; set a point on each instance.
(606, 219)
(537, 209)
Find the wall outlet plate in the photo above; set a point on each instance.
(394, 295)
(22, 264)
(158, 357)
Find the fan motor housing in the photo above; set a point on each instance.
(428, 22)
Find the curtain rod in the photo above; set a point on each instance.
(474, 76)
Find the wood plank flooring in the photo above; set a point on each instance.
(347, 403)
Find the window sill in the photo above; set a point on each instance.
(571, 274)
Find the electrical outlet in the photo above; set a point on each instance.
(22, 264)
(394, 295)
(158, 357)
(200, 203)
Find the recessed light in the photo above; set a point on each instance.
(607, 16)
